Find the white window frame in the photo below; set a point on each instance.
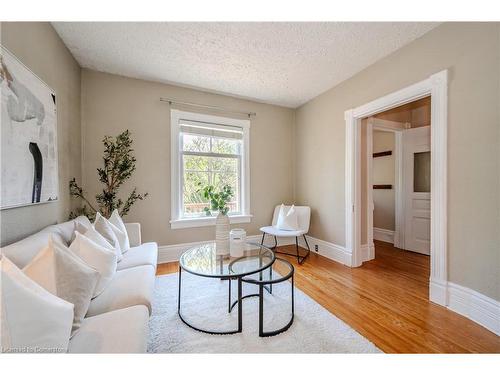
(177, 221)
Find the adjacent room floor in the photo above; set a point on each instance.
(386, 300)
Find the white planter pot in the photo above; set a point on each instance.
(222, 228)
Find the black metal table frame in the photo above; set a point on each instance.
(262, 285)
(268, 288)
(239, 301)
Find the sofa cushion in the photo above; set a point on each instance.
(129, 287)
(22, 252)
(65, 275)
(103, 260)
(145, 254)
(122, 235)
(31, 318)
(119, 331)
(105, 229)
(78, 228)
(67, 228)
(134, 233)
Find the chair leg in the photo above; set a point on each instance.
(308, 249)
(263, 235)
(300, 258)
(307, 244)
(297, 249)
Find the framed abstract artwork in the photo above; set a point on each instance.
(29, 165)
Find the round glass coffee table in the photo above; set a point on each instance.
(204, 261)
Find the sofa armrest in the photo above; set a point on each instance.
(134, 233)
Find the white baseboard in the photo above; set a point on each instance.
(438, 292)
(330, 250)
(467, 302)
(475, 306)
(327, 249)
(385, 235)
(171, 253)
(367, 252)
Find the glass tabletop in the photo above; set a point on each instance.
(281, 270)
(204, 260)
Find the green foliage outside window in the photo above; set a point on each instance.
(218, 171)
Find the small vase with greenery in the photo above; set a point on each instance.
(219, 202)
(119, 164)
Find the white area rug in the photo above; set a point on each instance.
(205, 303)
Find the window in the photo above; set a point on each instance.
(208, 150)
(422, 172)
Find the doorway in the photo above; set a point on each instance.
(434, 86)
(397, 168)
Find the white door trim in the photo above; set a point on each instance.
(399, 227)
(436, 86)
(369, 190)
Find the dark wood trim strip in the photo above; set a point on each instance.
(382, 153)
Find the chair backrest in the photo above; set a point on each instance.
(304, 216)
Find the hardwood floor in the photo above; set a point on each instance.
(386, 300)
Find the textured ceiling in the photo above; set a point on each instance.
(278, 63)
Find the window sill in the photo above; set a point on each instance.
(207, 221)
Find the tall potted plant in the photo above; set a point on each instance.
(118, 166)
(219, 203)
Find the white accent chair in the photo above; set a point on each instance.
(304, 218)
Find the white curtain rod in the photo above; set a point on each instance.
(171, 101)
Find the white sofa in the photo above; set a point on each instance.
(118, 319)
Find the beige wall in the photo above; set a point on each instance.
(383, 174)
(471, 53)
(111, 104)
(38, 46)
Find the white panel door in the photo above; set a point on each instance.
(417, 189)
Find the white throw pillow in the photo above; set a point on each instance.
(117, 221)
(95, 236)
(32, 320)
(78, 227)
(96, 256)
(287, 220)
(121, 236)
(65, 275)
(105, 229)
